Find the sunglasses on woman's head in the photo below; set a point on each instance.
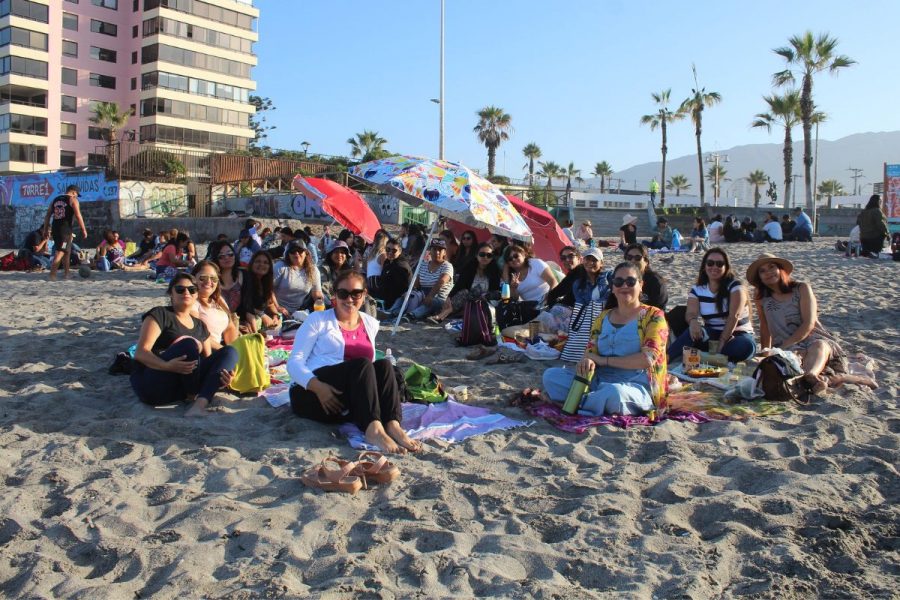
(180, 289)
(208, 279)
(485, 254)
(715, 263)
(343, 294)
(628, 281)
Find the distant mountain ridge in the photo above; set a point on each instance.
(866, 151)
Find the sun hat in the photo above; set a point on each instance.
(783, 264)
(595, 252)
(295, 245)
(338, 245)
(628, 220)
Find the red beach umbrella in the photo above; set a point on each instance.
(344, 205)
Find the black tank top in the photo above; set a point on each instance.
(62, 212)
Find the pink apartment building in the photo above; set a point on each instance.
(183, 66)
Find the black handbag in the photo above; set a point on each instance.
(516, 313)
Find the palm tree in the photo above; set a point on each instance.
(810, 55)
(660, 119)
(532, 152)
(549, 170)
(604, 171)
(716, 174)
(831, 187)
(694, 105)
(756, 179)
(571, 172)
(678, 183)
(493, 129)
(367, 146)
(783, 110)
(111, 119)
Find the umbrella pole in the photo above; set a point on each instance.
(415, 275)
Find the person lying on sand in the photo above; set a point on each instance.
(174, 358)
(334, 377)
(789, 319)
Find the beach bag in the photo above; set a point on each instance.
(423, 385)
(478, 325)
(778, 379)
(583, 316)
(516, 313)
(676, 240)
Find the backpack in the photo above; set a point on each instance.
(478, 325)
(779, 380)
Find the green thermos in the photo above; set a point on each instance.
(577, 390)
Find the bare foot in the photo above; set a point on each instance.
(198, 408)
(839, 380)
(377, 436)
(818, 385)
(394, 430)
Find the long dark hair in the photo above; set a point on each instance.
(178, 239)
(215, 248)
(611, 300)
(522, 249)
(727, 276)
(464, 255)
(470, 269)
(256, 290)
(216, 297)
(874, 202)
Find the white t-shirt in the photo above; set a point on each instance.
(715, 232)
(533, 288)
(773, 228)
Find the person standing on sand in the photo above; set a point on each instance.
(63, 209)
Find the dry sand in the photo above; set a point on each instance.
(106, 498)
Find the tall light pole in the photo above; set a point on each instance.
(794, 177)
(715, 157)
(441, 102)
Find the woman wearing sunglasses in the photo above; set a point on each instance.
(334, 377)
(297, 284)
(627, 350)
(174, 357)
(717, 309)
(210, 306)
(467, 251)
(654, 292)
(477, 279)
(230, 274)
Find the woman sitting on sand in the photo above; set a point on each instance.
(717, 309)
(477, 279)
(789, 319)
(627, 349)
(297, 284)
(654, 291)
(258, 309)
(173, 255)
(435, 281)
(111, 252)
(529, 278)
(467, 252)
(699, 235)
(230, 275)
(337, 257)
(334, 376)
(174, 358)
(210, 306)
(375, 256)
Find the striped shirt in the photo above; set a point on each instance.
(428, 279)
(712, 317)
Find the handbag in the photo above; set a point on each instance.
(583, 316)
(478, 326)
(516, 313)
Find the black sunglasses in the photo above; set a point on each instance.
(628, 281)
(180, 289)
(485, 254)
(634, 257)
(569, 256)
(715, 263)
(343, 294)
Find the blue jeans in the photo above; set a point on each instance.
(103, 264)
(424, 310)
(625, 398)
(740, 347)
(158, 388)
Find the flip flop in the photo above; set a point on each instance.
(506, 356)
(333, 480)
(481, 352)
(374, 466)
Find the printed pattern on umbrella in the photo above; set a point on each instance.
(449, 188)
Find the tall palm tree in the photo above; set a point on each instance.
(549, 170)
(809, 55)
(604, 171)
(532, 152)
(716, 175)
(111, 119)
(783, 110)
(493, 129)
(367, 146)
(678, 183)
(831, 187)
(571, 172)
(660, 119)
(757, 178)
(695, 105)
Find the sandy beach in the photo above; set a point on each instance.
(104, 497)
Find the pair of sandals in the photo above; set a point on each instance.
(347, 476)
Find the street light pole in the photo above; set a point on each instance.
(441, 103)
(794, 177)
(714, 158)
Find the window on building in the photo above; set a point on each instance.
(111, 4)
(96, 160)
(66, 158)
(104, 27)
(97, 133)
(69, 103)
(134, 57)
(134, 31)
(67, 131)
(70, 21)
(23, 153)
(136, 6)
(23, 124)
(23, 37)
(134, 83)
(25, 9)
(27, 67)
(69, 76)
(103, 54)
(104, 81)
(70, 48)
(72, 1)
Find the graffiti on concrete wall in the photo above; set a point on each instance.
(279, 206)
(386, 208)
(152, 200)
(37, 189)
(28, 218)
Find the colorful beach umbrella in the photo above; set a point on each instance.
(344, 205)
(448, 189)
(549, 238)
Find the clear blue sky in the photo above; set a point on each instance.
(575, 76)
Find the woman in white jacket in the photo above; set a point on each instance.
(335, 378)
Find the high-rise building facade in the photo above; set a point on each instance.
(182, 66)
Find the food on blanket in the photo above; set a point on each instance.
(690, 358)
(706, 371)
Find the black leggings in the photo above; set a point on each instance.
(157, 388)
(368, 392)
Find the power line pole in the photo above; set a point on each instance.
(857, 174)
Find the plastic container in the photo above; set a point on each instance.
(504, 292)
(388, 354)
(318, 305)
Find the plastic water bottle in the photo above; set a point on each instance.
(577, 391)
(504, 292)
(390, 356)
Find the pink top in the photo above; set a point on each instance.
(357, 343)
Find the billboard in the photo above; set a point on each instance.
(37, 189)
(892, 191)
